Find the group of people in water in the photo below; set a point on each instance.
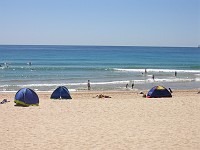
(132, 82)
(88, 83)
(132, 85)
(145, 72)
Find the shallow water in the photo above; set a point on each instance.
(107, 67)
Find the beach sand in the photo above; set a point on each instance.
(126, 121)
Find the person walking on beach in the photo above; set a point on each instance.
(88, 85)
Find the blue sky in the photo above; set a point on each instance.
(100, 22)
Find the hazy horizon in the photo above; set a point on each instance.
(94, 45)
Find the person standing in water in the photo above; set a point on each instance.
(153, 77)
(175, 73)
(132, 84)
(145, 71)
(126, 85)
(29, 63)
(88, 85)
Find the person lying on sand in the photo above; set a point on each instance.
(4, 101)
(102, 96)
(144, 95)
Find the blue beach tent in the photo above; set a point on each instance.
(158, 91)
(61, 93)
(26, 97)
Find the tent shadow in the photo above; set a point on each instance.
(17, 105)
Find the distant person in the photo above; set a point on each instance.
(145, 71)
(175, 73)
(132, 85)
(153, 77)
(4, 101)
(144, 95)
(29, 63)
(6, 65)
(102, 96)
(127, 85)
(88, 85)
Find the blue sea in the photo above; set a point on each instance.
(44, 67)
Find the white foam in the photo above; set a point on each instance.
(156, 70)
(197, 79)
(174, 80)
(129, 70)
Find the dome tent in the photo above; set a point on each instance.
(61, 93)
(158, 91)
(26, 97)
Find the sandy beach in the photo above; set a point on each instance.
(125, 121)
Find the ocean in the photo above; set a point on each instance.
(45, 67)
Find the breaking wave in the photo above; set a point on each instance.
(157, 70)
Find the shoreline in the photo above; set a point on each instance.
(108, 91)
(104, 87)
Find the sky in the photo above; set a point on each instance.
(100, 22)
